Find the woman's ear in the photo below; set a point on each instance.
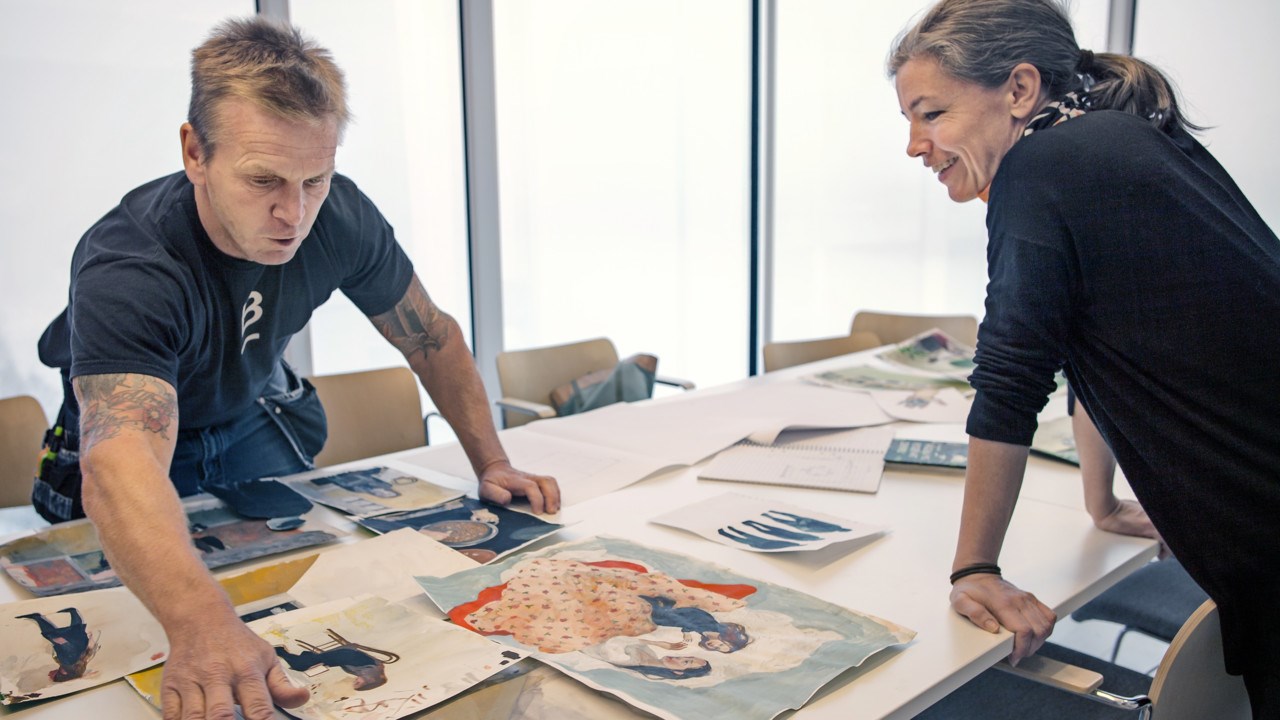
(1024, 90)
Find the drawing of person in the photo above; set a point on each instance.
(779, 532)
(716, 636)
(360, 483)
(637, 655)
(561, 605)
(368, 670)
(801, 522)
(71, 644)
(754, 541)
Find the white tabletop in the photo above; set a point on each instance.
(1052, 549)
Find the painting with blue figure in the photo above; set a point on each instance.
(754, 541)
(481, 531)
(377, 490)
(758, 525)
(679, 637)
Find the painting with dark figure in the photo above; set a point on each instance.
(371, 658)
(377, 490)
(71, 645)
(749, 523)
(669, 634)
(481, 531)
(60, 645)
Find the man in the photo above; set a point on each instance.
(182, 301)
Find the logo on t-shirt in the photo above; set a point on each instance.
(250, 314)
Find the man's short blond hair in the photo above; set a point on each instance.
(270, 64)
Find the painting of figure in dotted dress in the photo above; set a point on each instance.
(669, 634)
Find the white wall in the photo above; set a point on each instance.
(94, 94)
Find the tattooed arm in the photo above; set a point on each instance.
(432, 343)
(128, 429)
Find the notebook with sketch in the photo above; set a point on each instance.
(854, 464)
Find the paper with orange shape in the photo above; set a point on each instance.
(598, 609)
(369, 658)
(56, 646)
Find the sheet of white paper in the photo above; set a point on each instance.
(582, 470)
(926, 406)
(407, 661)
(58, 645)
(383, 566)
(748, 523)
(855, 463)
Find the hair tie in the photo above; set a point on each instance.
(1086, 61)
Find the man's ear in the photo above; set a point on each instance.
(193, 156)
(1024, 90)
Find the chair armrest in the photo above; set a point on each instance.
(1048, 671)
(526, 407)
(677, 382)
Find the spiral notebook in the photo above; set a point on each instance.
(854, 462)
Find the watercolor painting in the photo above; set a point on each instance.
(478, 530)
(748, 523)
(68, 557)
(1055, 439)
(669, 634)
(57, 646)
(932, 351)
(375, 491)
(369, 658)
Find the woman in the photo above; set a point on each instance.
(1121, 251)
(637, 655)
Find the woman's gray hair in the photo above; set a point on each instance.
(981, 41)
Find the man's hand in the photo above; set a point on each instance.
(499, 482)
(991, 602)
(220, 664)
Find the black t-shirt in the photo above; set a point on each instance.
(1128, 257)
(151, 294)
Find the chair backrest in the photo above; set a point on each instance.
(1192, 681)
(532, 374)
(369, 413)
(896, 327)
(22, 426)
(778, 355)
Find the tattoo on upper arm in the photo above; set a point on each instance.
(110, 403)
(415, 326)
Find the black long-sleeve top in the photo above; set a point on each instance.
(1128, 257)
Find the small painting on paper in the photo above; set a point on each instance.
(375, 491)
(748, 523)
(369, 658)
(68, 557)
(481, 531)
(669, 634)
(933, 351)
(56, 646)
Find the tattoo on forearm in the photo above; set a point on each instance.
(110, 403)
(415, 326)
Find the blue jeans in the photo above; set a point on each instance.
(279, 434)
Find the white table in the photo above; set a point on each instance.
(1051, 549)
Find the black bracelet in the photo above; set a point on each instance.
(977, 569)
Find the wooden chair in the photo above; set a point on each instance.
(370, 413)
(527, 377)
(778, 355)
(1191, 684)
(896, 327)
(22, 427)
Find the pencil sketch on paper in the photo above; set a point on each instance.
(369, 658)
(375, 491)
(481, 531)
(668, 634)
(56, 646)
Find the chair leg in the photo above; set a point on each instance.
(1115, 651)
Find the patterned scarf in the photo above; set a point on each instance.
(1071, 105)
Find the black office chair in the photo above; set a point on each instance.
(1154, 601)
